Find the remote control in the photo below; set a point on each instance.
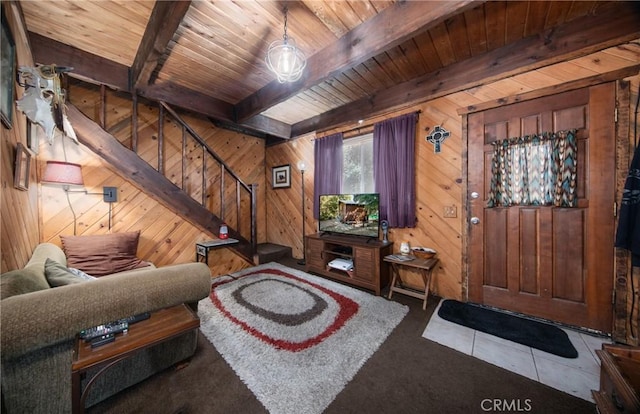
(101, 330)
(103, 340)
(136, 318)
(121, 325)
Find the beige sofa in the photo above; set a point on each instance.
(39, 325)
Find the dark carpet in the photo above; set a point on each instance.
(408, 374)
(542, 336)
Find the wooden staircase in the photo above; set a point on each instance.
(619, 380)
(156, 185)
(122, 154)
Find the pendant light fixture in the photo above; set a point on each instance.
(284, 58)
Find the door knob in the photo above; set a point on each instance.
(475, 220)
(475, 195)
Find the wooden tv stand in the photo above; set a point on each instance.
(369, 270)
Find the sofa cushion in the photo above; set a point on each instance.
(58, 275)
(18, 282)
(100, 255)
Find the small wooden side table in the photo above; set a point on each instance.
(161, 326)
(425, 266)
(202, 248)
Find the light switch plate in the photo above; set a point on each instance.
(110, 194)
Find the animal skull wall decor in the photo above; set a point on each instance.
(43, 101)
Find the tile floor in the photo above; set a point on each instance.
(574, 376)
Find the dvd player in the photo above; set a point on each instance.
(341, 264)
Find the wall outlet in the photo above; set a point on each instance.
(450, 211)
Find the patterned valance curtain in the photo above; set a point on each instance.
(538, 170)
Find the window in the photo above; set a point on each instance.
(357, 176)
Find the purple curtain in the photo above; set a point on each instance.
(394, 169)
(327, 177)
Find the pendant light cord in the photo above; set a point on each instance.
(284, 36)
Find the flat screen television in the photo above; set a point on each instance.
(350, 214)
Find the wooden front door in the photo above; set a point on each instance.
(549, 262)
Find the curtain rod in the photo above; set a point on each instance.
(355, 131)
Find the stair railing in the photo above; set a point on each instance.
(249, 189)
(207, 153)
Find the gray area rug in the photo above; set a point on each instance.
(294, 339)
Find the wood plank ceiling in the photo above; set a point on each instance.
(365, 57)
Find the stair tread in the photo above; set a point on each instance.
(271, 247)
(271, 252)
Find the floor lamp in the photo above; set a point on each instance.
(302, 167)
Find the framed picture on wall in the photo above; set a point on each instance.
(281, 176)
(7, 74)
(22, 165)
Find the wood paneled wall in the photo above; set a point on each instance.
(165, 237)
(284, 205)
(42, 213)
(20, 225)
(439, 177)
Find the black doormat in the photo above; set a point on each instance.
(542, 336)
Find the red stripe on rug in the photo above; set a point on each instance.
(347, 309)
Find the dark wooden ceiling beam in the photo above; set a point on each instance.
(195, 101)
(86, 66)
(268, 125)
(163, 23)
(574, 39)
(386, 30)
(95, 69)
(200, 103)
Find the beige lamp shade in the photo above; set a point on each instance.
(66, 173)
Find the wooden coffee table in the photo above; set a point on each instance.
(161, 326)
